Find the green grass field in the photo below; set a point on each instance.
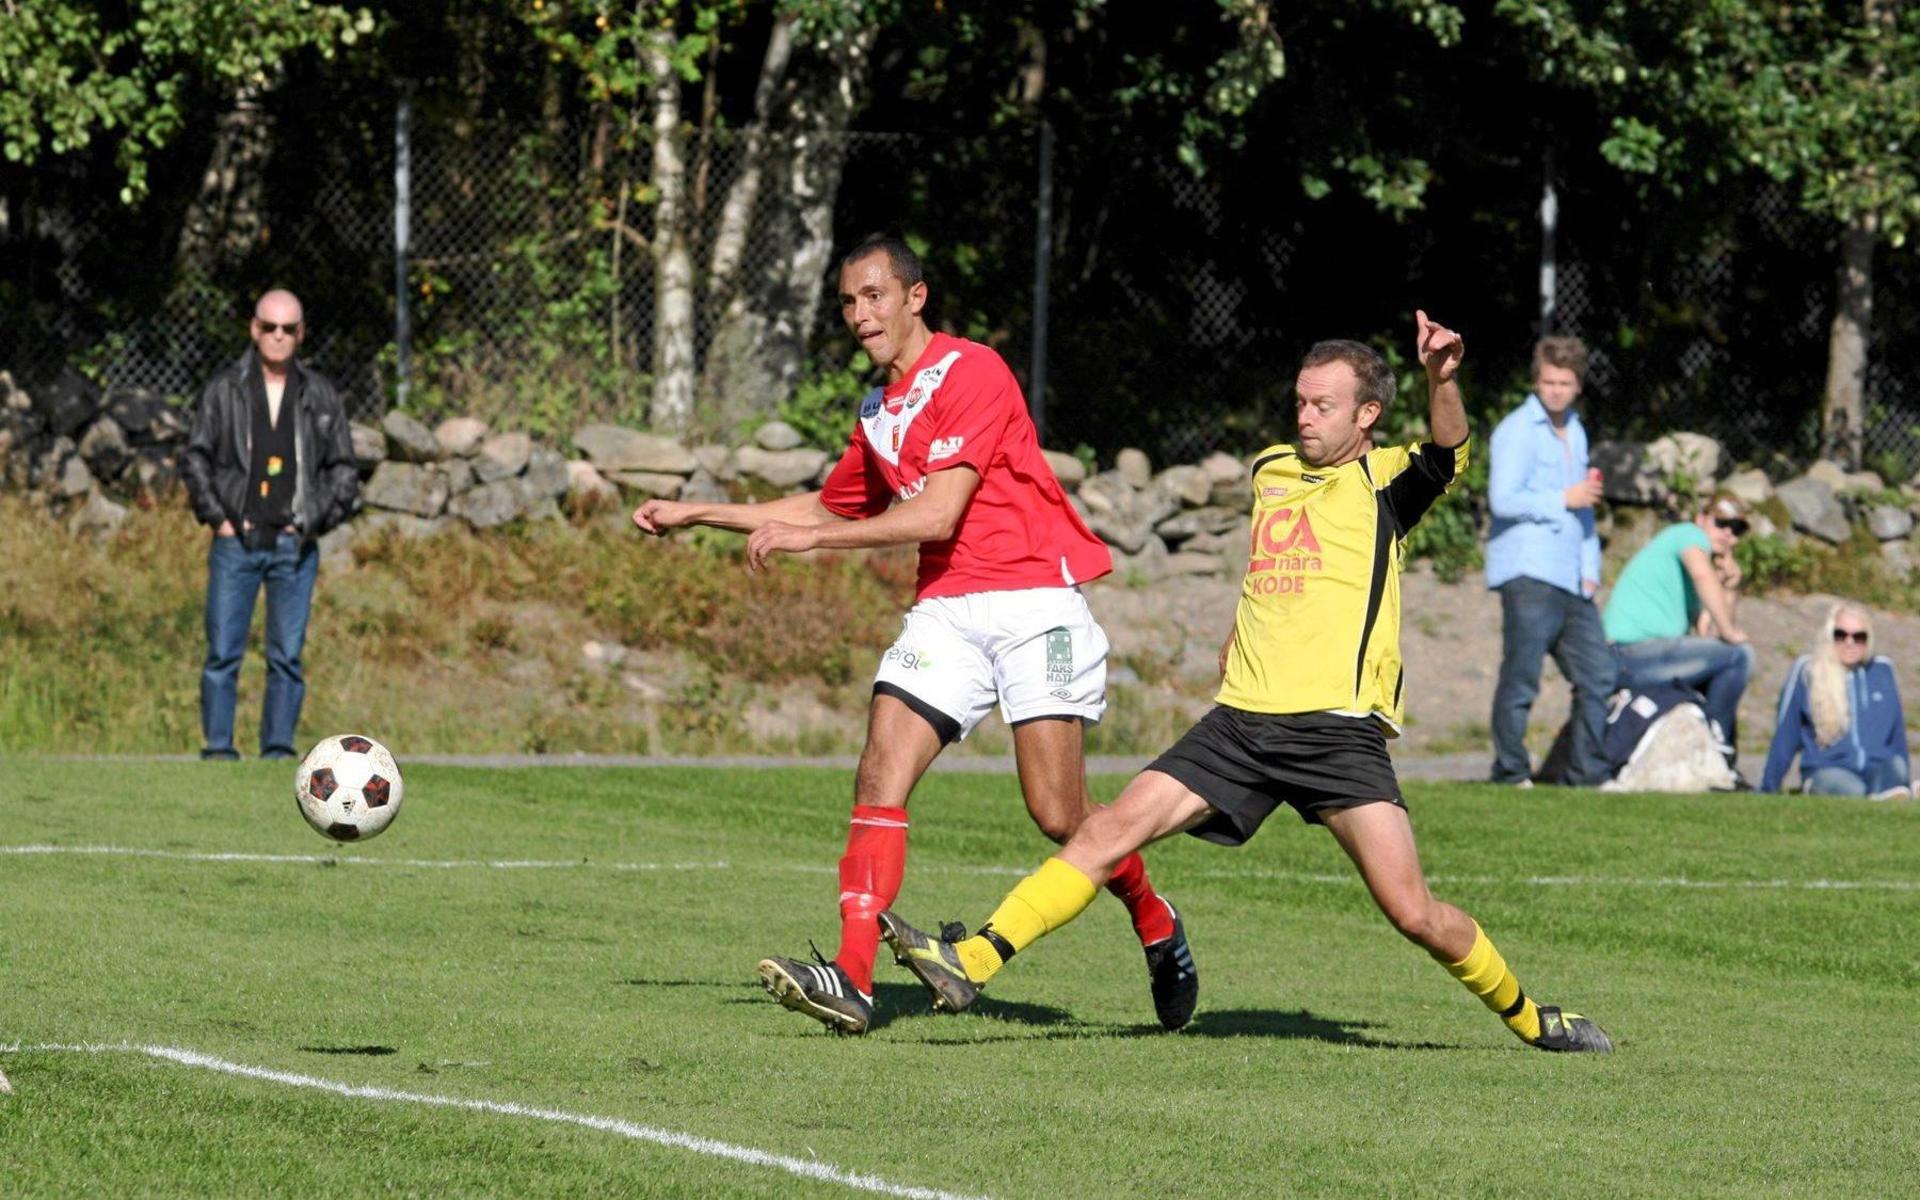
(1755, 959)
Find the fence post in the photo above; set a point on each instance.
(1549, 219)
(402, 223)
(1042, 255)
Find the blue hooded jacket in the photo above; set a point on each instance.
(1877, 731)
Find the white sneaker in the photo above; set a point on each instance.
(1903, 792)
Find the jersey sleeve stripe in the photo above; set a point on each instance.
(1377, 586)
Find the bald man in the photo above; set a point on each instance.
(269, 468)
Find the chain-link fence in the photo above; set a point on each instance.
(1176, 306)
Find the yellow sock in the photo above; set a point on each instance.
(1486, 975)
(1038, 905)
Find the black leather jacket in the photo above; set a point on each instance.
(219, 447)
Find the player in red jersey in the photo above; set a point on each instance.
(945, 456)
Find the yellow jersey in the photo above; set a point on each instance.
(1318, 625)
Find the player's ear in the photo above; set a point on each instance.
(1368, 414)
(917, 297)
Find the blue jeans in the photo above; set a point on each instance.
(1716, 669)
(235, 575)
(1537, 619)
(1839, 781)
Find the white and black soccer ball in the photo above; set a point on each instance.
(348, 787)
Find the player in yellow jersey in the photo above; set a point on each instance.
(1311, 692)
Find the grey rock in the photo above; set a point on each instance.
(460, 437)
(156, 473)
(169, 424)
(1130, 525)
(1693, 455)
(1134, 466)
(458, 473)
(1844, 482)
(105, 448)
(1627, 476)
(1232, 542)
(1889, 523)
(490, 505)
(133, 410)
(11, 397)
(546, 473)
(74, 480)
(1121, 675)
(1147, 562)
(1213, 519)
(716, 461)
(1221, 467)
(502, 456)
(777, 435)
(336, 546)
(98, 515)
(1898, 557)
(781, 468)
(1814, 508)
(1750, 486)
(641, 686)
(49, 463)
(408, 440)
(652, 484)
(408, 488)
(1194, 564)
(369, 446)
(1070, 471)
(69, 403)
(615, 448)
(587, 487)
(1187, 484)
(702, 488)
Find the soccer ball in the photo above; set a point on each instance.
(348, 788)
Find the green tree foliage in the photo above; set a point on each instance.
(69, 72)
(1820, 95)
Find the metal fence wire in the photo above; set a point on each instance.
(1176, 309)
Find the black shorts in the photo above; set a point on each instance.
(1247, 764)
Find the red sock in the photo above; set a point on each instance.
(1152, 919)
(870, 874)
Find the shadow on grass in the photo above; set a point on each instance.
(1298, 1025)
(370, 1051)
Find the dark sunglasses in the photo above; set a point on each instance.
(1733, 524)
(290, 328)
(1857, 635)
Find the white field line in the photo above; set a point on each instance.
(1341, 879)
(672, 1139)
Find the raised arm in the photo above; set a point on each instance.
(1441, 350)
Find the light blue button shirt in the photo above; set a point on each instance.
(1534, 533)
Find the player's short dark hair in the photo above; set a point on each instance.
(901, 259)
(1376, 379)
(1567, 353)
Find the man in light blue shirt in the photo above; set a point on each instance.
(1543, 557)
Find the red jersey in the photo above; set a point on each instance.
(960, 406)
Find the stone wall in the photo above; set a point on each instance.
(87, 455)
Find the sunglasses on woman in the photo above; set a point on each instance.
(1858, 636)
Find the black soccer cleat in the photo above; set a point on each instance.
(932, 960)
(821, 991)
(1175, 980)
(1570, 1033)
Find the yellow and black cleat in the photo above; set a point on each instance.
(1571, 1033)
(932, 960)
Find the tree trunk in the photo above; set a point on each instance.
(671, 408)
(730, 242)
(760, 344)
(224, 221)
(1843, 414)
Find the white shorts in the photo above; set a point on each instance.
(1038, 651)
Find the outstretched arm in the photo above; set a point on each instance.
(931, 516)
(1441, 350)
(658, 517)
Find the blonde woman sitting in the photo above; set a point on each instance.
(1840, 715)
